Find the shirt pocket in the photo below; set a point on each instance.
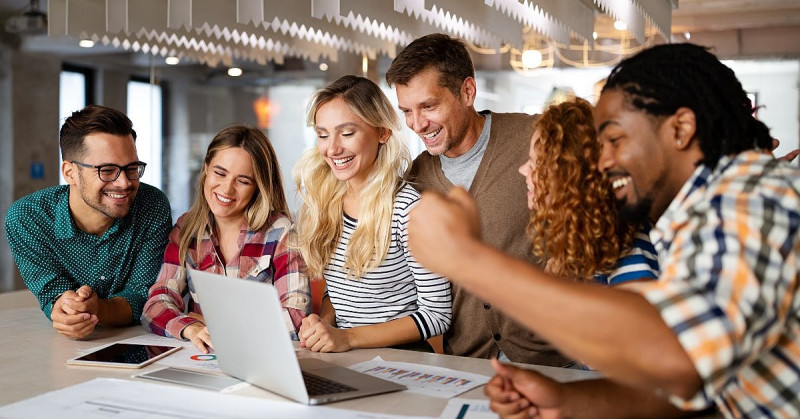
(258, 268)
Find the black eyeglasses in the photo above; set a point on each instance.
(110, 172)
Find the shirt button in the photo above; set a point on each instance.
(497, 336)
(486, 306)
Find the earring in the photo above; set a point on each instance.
(680, 143)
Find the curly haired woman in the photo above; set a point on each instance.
(574, 222)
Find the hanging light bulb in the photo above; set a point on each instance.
(531, 58)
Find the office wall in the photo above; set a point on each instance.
(777, 86)
(7, 269)
(30, 132)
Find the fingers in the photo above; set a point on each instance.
(202, 340)
(503, 370)
(459, 195)
(85, 291)
(197, 333)
(74, 306)
(307, 327)
(518, 409)
(462, 198)
(791, 156)
(77, 326)
(505, 401)
(319, 339)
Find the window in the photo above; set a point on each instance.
(72, 96)
(144, 109)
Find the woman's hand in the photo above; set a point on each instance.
(197, 333)
(321, 337)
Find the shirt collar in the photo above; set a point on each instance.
(660, 234)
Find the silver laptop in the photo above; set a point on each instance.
(246, 324)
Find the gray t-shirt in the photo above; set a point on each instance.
(461, 170)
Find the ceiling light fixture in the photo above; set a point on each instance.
(323, 67)
(620, 25)
(531, 58)
(85, 43)
(234, 71)
(172, 60)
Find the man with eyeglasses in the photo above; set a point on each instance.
(90, 250)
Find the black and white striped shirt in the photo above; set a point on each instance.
(398, 287)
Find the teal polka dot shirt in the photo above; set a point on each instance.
(54, 256)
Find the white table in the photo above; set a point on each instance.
(33, 357)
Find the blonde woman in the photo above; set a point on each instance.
(239, 227)
(353, 227)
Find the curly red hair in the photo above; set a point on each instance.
(574, 224)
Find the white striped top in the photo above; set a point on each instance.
(398, 287)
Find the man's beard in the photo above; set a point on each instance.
(637, 213)
(95, 200)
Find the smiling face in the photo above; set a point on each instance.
(636, 157)
(96, 200)
(527, 168)
(230, 183)
(348, 144)
(440, 118)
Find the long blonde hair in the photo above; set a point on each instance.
(321, 214)
(268, 198)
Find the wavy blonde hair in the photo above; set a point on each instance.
(575, 218)
(321, 214)
(268, 198)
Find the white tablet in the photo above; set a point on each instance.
(124, 355)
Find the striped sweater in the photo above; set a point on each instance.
(398, 287)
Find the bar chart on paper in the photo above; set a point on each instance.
(423, 379)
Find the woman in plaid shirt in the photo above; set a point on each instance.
(238, 226)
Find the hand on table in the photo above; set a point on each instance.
(318, 336)
(519, 393)
(69, 321)
(197, 333)
(439, 226)
(84, 300)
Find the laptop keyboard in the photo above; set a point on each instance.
(316, 385)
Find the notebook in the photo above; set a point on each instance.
(246, 324)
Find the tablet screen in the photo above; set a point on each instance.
(126, 355)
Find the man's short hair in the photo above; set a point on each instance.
(449, 56)
(90, 120)
(661, 79)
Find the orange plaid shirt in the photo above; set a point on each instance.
(728, 248)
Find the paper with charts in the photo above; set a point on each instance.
(423, 379)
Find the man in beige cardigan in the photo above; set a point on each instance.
(435, 83)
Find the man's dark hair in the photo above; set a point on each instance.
(90, 120)
(449, 56)
(661, 79)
